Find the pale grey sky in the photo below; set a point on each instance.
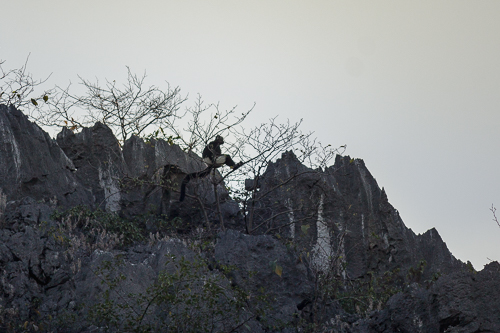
(413, 88)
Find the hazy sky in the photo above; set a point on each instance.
(412, 87)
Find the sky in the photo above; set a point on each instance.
(411, 87)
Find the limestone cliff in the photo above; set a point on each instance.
(348, 214)
(93, 239)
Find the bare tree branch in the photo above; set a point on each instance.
(130, 109)
(18, 87)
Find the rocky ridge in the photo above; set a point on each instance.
(51, 264)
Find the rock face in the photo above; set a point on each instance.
(90, 168)
(99, 163)
(459, 302)
(346, 213)
(156, 162)
(254, 257)
(323, 240)
(31, 163)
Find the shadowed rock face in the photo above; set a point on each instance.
(144, 159)
(462, 301)
(31, 163)
(90, 168)
(156, 163)
(252, 256)
(99, 163)
(47, 269)
(346, 200)
(155, 172)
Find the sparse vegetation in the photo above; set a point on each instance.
(99, 226)
(187, 297)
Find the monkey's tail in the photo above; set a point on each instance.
(188, 178)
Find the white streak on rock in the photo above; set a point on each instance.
(341, 251)
(367, 187)
(363, 228)
(111, 189)
(322, 250)
(291, 217)
(9, 141)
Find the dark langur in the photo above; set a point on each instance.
(214, 158)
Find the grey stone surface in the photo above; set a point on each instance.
(254, 258)
(48, 267)
(462, 301)
(99, 163)
(31, 163)
(155, 171)
(346, 200)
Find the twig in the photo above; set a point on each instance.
(493, 210)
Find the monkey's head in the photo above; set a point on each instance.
(219, 139)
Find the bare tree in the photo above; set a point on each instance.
(18, 87)
(200, 124)
(131, 108)
(256, 148)
(261, 146)
(204, 123)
